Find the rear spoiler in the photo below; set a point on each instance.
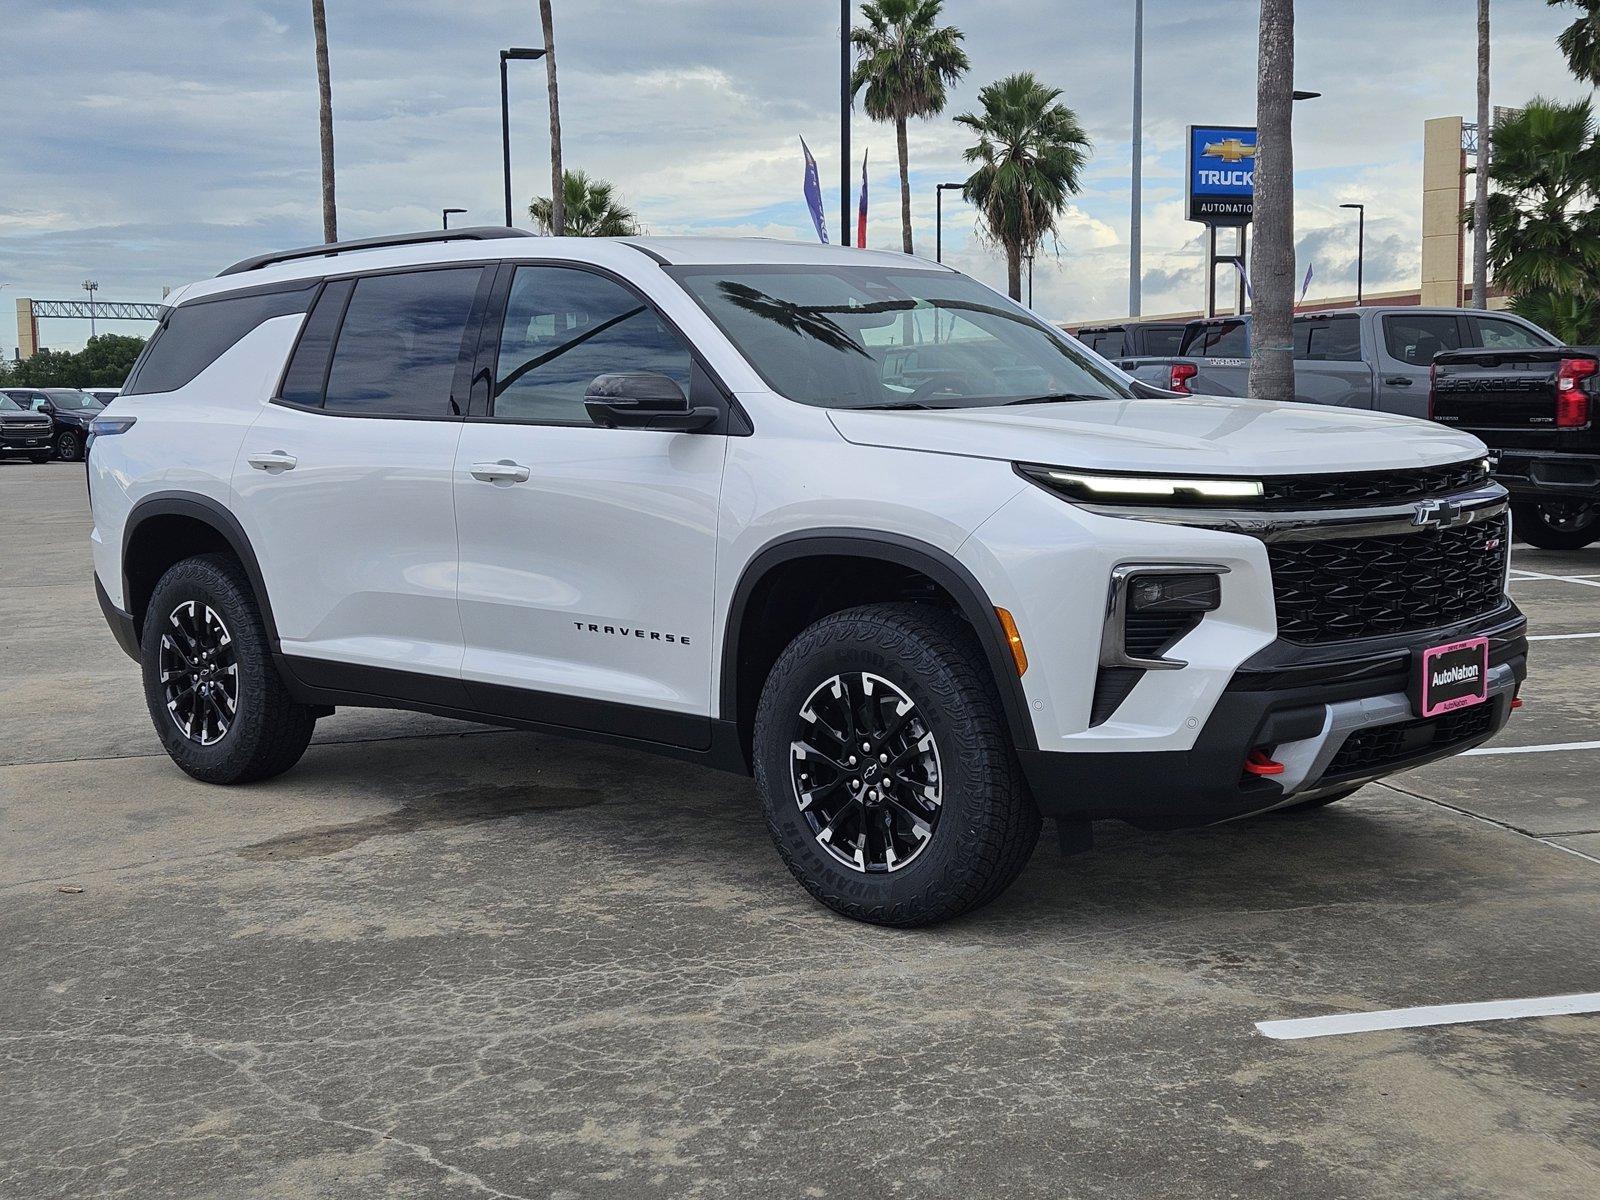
(1482, 357)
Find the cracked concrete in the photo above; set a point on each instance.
(438, 963)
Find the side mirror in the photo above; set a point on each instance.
(46, 407)
(643, 400)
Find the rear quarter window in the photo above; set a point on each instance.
(193, 336)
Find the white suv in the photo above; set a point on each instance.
(848, 521)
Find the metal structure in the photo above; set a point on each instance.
(519, 53)
(1361, 243)
(939, 189)
(844, 121)
(1135, 232)
(444, 216)
(91, 287)
(30, 312)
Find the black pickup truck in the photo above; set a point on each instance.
(1538, 411)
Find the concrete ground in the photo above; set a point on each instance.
(438, 960)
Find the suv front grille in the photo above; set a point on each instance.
(1385, 745)
(1357, 488)
(1344, 588)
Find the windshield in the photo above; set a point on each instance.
(66, 398)
(875, 337)
(7, 404)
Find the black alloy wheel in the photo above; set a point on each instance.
(865, 772)
(199, 673)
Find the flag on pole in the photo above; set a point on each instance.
(1305, 285)
(1244, 278)
(813, 192)
(861, 208)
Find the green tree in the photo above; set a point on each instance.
(1544, 215)
(592, 209)
(1580, 41)
(905, 60)
(1030, 153)
(104, 362)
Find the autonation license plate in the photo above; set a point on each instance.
(1454, 676)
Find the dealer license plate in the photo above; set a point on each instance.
(1455, 675)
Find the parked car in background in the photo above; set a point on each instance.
(1538, 410)
(1371, 357)
(70, 412)
(1133, 339)
(23, 432)
(103, 394)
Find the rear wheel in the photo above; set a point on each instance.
(218, 703)
(885, 770)
(1557, 524)
(69, 445)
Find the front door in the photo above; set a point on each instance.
(345, 484)
(1405, 354)
(587, 554)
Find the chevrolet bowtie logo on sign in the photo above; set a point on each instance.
(1231, 150)
(1221, 180)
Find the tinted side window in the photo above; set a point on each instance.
(562, 328)
(1495, 333)
(1415, 340)
(1161, 341)
(193, 336)
(1229, 340)
(1336, 340)
(308, 366)
(401, 344)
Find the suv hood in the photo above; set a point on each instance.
(1203, 435)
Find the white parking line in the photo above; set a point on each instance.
(1532, 749)
(1527, 575)
(1560, 637)
(1436, 1014)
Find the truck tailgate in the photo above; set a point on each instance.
(1532, 395)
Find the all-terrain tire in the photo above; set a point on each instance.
(987, 824)
(268, 731)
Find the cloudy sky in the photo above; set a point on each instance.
(148, 144)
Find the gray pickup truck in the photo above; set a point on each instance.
(1367, 357)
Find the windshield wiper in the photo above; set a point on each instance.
(1052, 398)
(892, 404)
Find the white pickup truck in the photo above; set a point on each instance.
(1370, 357)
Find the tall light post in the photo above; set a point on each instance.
(1135, 232)
(938, 216)
(444, 216)
(1361, 244)
(91, 287)
(844, 122)
(520, 53)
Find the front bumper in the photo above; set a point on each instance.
(1548, 475)
(1334, 716)
(121, 624)
(13, 438)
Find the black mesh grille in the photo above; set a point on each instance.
(1146, 635)
(1359, 488)
(1344, 588)
(1386, 745)
(1111, 688)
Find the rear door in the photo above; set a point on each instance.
(588, 555)
(1407, 344)
(344, 483)
(1329, 368)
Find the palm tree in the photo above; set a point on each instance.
(592, 209)
(1272, 254)
(330, 213)
(1544, 217)
(1580, 41)
(1030, 154)
(558, 217)
(1480, 231)
(905, 61)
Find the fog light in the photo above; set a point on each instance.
(1175, 593)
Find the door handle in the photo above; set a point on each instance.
(1398, 381)
(274, 460)
(504, 471)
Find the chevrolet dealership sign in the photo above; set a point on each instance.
(1222, 174)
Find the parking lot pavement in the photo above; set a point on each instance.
(435, 960)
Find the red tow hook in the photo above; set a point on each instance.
(1516, 703)
(1257, 762)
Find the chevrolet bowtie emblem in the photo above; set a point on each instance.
(1229, 150)
(1437, 514)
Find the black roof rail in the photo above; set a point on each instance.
(472, 233)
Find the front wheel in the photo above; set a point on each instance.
(219, 705)
(885, 770)
(69, 446)
(1557, 524)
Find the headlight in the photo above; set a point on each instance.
(1141, 489)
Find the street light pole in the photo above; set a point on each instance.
(844, 121)
(444, 215)
(517, 52)
(91, 287)
(1135, 232)
(1361, 244)
(939, 190)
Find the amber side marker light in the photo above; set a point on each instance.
(1014, 640)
